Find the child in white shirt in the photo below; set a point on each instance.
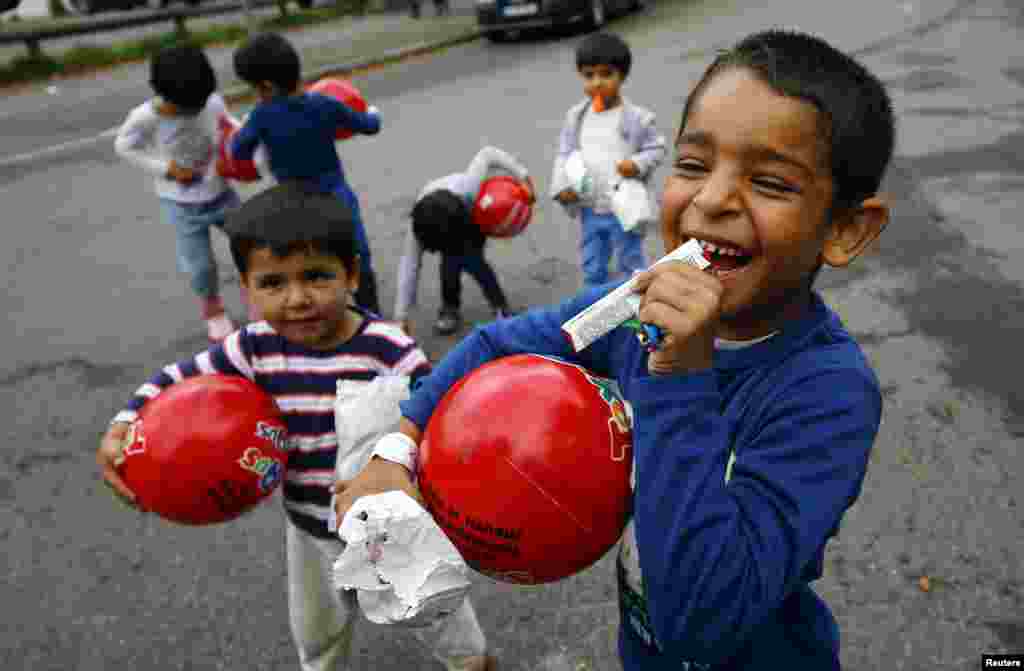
(174, 138)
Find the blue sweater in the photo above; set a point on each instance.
(298, 133)
(725, 566)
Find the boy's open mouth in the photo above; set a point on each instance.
(724, 258)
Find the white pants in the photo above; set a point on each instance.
(322, 619)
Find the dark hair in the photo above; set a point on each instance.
(604, 49)
(441, 221)
(182, 75)
(268, 57)
(858, 129)
(289, 217)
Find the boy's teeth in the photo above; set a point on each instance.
(715, 249)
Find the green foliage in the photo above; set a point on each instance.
(27, 68)
(57, 9)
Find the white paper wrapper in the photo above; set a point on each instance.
(622, 304)
(401, 564)
(631, 204)
(363, 412)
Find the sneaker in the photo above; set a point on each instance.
(448, 321)
(219, 327)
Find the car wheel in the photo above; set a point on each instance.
(597, 15)
(497, 36)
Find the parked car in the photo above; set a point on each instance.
(500, 18)
(86, 7)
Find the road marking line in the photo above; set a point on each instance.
(56, 149)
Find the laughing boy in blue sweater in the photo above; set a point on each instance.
(755, 419)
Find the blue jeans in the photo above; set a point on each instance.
(603, 235)
(471, 261)
(192, 223)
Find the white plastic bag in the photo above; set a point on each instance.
(403, 567)
(363, 412)
(579, 180)
(632, 204)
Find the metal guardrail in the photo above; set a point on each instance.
(32, 38)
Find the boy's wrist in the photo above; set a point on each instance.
(397, 448)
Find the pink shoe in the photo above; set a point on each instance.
(219, 327)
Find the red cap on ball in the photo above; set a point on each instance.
(236, 169)
(502, 208)
(206, 450)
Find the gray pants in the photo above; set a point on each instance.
(322, 619)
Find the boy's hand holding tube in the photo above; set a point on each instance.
(684, 302)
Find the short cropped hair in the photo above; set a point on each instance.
(182, 75)
(858, 127)
(604, 49)
(441, 221)
(268, 57)
(289, 217)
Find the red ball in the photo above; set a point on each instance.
(343, 91)
(236, 169)
(502, 208)
(206, 450)
(526, 464)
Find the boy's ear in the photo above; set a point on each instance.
(353, 275)
(851, 232)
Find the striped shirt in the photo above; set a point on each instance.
(303, 383)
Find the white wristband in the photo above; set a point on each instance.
(399, 448)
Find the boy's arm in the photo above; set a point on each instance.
(340, 115)
(492, 157)
(231, 357)
(652, 147)
(135, 142)
(245, 141)
(538, 331)
(718, 559)
(408, 276)
(393, 466)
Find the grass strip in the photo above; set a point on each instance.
(85, 58)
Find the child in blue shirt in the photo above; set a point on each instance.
(297, 130)
(755, 419)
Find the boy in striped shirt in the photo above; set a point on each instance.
(296, 253)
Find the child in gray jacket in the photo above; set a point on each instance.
(616, 140)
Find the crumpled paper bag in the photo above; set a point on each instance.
(631, 204)
(403, 567)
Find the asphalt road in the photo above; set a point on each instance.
(94, 304)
